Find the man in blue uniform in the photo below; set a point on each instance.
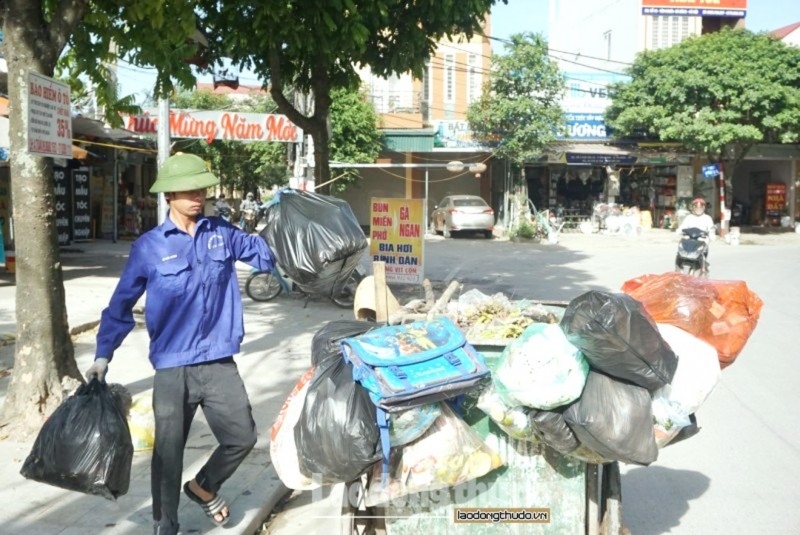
(193, 313)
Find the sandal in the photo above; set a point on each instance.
(211, 508)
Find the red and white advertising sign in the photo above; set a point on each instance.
(211, 125)
(695, 8)
(49, 117)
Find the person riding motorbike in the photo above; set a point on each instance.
(699, 220)
(222, 208)
(248, 209)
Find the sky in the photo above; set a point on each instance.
(531, 16)
(507, 19)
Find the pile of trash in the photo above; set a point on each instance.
(316, 239)
(616, 377)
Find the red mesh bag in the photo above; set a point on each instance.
(722, 313)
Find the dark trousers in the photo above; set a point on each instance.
(177, 392)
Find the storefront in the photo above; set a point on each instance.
(585, 182)
(764, 188)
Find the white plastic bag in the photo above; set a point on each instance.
(511, 419)
(541, 369)
(697, 374)
(447, 454)
(282, 447)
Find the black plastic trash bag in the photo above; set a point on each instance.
(617, 336)
(553, 429)
(337, 434)
(615, 419)
(316, 239)
(85, 445)
(326, 342)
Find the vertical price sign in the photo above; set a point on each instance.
(397, 238)
(81, 207)
(63, 190)
(49, 117)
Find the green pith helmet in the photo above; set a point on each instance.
(183, 172)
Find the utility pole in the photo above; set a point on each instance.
(163, 151)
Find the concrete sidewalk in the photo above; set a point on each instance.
(275, 353)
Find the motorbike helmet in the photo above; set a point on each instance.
(698, 206)
(183, 172)
(249, 196)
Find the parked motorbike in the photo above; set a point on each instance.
(265, 286)
(692, 250)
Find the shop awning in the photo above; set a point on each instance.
(85, 127)
(409, 139)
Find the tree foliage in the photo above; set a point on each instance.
(145, 33)
(355, 137)
(718, 94)
(35, 34)
(519, 110)
(314, 47)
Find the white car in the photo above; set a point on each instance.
(455, 213)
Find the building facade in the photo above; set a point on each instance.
(593, 41)
(425, 126)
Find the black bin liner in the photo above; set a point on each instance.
(326, 342)
(85, 445)
(316, 239)
(615, 419)
(553, 429)
(337, 434)
(617, 336)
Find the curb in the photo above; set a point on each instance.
(10, 338)
(263, 498)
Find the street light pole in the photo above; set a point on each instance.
(425, 205)
(163, 151)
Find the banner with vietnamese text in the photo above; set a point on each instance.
(215, 124)
(397, 238)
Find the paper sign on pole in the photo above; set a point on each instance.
(397, 238)
(49, 117)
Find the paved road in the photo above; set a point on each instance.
(740, 474)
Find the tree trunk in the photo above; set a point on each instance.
(322, 150)
(44, 361)
(315, 124)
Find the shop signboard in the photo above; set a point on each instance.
(49, 117)
(216, 124)
(63, 191)
(711, 171)
(81, 205)
(584, 102)
(585, 126)
(397, 233)
(454, 134)
(577, 158)
(695, 8)
(775, 199)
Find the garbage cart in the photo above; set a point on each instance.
(543, 490)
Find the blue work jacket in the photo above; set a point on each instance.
(193, 307)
